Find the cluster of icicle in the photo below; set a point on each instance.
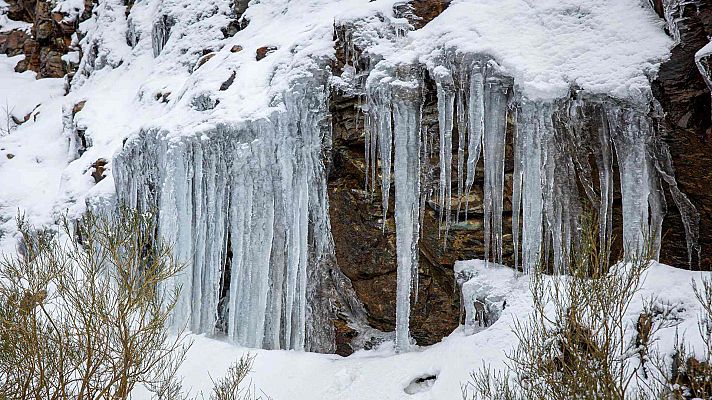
(245, 209)
(553, 144)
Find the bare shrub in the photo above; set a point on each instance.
(82, 312)
(230, 386)
(573, 346)
(8, 124)
(690, 375)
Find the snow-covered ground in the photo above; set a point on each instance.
(31, 160)
(381, 374)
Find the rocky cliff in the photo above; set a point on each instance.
(364, 244)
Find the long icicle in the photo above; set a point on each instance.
(494, 145)
(476, 125)
(446, 99)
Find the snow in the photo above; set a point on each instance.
(33, 153)
(609, 46)
(6, 24)
(382, 374)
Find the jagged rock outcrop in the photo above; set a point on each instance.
(49, 39)
(687, 126)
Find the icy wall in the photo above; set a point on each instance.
(553, 145)
(245, 208)
(568, 150)
(232, 148)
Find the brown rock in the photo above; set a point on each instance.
(51, 63)
(420, 12)
(44, 25)
(236, 48)
(225, 85)
(99, 169)
(78, 107)
(343, 335)
(202, 60)
(20, 121)
(685, 98)
(10, 156)
(21, 10)
(51, 37)
(12, 43)
(264, 51)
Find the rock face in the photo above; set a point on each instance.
(364, 243)
(365, 247)
(49, 39)
(687, 127)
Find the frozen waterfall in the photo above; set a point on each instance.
(564, 156)
(245, 208)
(398, 102)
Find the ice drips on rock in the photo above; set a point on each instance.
(564, 154)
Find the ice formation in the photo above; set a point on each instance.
(245, 208)
(564, 153)
(241, 190)
(398, 99)
(483, 298)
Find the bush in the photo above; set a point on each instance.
(573, 346)
(229, 386)
(82, 312)
(690, 375)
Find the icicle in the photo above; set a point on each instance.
(371, 142)
(552, 213)
(630, 133)
(406, 130)
(605, 180)
(476, 123)
(530, 124)
(446, 98)
(379, 121)
(160, 33)
(461, 123)
(494, 143)
(461, 135)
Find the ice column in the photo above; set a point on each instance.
(406, 171)
(395, 105)
(495, 130)
(244, 206)
(446, 99)
(528, 182)
(630, 134)
(475, 123)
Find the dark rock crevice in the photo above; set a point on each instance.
(687, 130)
